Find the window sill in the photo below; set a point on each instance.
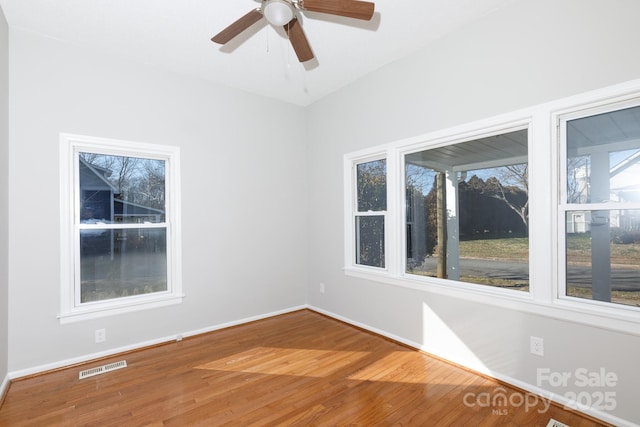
(110, 309)
(625, 320)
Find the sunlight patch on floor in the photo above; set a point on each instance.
(286, 361)
(413, 369)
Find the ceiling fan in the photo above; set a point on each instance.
(282, 13)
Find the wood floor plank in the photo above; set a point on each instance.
(301, 368)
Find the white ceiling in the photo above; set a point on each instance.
(175, 34)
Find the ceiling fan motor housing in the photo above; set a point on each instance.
(278, 12)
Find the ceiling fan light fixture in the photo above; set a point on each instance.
(278, 12)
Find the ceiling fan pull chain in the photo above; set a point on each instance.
(288, 52)
(267, 40)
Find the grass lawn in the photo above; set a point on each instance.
(515, 248)
(579, 250)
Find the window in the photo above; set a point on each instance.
(600, 205)
(120, 226)
(537, 210)
(467, 213)
(370, 201)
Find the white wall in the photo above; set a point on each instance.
(246, 215)
(523, 55)
(243, 199)
(4, 194)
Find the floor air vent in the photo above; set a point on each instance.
(102, 369)
(554, 423)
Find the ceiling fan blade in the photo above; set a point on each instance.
(237, 27)
(348, 8)
(298, 40)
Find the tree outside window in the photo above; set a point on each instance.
(371, 205)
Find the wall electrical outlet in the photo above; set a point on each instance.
(322, 288)
(537, 345)
(100, 335)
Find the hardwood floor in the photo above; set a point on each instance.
(300, 368)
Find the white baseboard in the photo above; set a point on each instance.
(114, 351)
(4, 387)
(530, 388)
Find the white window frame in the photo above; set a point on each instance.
(351, 200)
(71, 309)
(562, 118)
(395, 221)
(546, 224)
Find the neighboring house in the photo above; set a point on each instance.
(101, 201)
(623, 187)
